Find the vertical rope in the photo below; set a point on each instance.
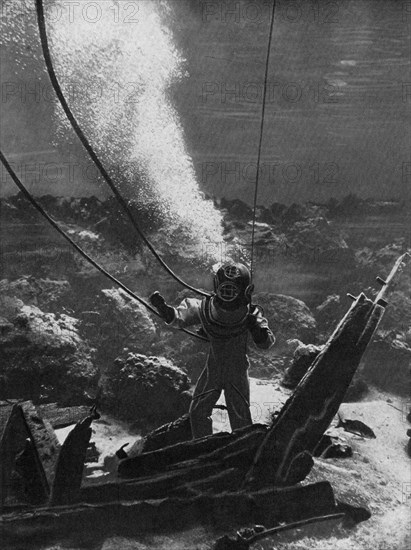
(267, 63)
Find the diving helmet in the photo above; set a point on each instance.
(232, 285)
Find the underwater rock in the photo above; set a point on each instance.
(288, 318)
(236, 208)
(43, 357)
(263, 364)
(329, 312)
(398, 315)
(47, 294)
(303, 358)
(387, 363)
(118, 322)
(332, 447)
(147, 391)
(314, 240)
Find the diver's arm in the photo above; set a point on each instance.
(260, 331)
(187, 313)
(184, 315)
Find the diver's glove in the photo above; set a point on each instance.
(254, 318)
(167, 312)
(258, 326)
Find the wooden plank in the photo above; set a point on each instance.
(84, 523)
(61, 417)
(44, 439)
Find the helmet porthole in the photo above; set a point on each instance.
(228, 292)
(232, 272)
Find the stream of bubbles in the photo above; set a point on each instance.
(118, 64)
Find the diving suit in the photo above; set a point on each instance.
(226, 318)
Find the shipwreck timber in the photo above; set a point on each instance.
(251, 475)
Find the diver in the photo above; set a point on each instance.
(226, 318)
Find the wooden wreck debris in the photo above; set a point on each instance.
(70, 465)
(28, 454)
(223, 511)
(61, 417)
(245, 538)
(44, 440)
(11, 421)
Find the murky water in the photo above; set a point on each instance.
(338, 104)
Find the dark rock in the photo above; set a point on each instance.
(331, 447)
(264, 365)
(121, 323)
(349, 206)
(237, 208)
(148, 391)
(294, 213)
(387, 363)
(314, 240)
(277, 210)
(43, 357)
(398, 313)
(303, 358)
(330, 312)
(47, 294)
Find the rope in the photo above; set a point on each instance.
(267, 62)
(89, 149)
(84, 254)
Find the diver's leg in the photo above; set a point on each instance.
(237, 398)
(205, 396)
